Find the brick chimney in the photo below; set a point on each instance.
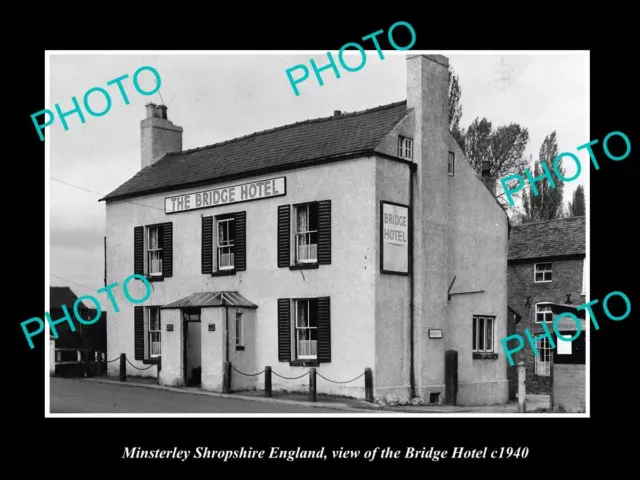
(158, 136)
(488, 179)
(428, 97)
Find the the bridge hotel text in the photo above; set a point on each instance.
(549, 336)
(94, 300)
(332, 63)
(107, 98)
(273, 187)
(547, 174)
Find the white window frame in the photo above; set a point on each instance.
(549, 271)
(488, 332)
(546, 311)
(227, 245)
(150, 251)
(405, 148)
(313, 344)
(239, 329)
(544, 358)
(300, 236)
(451, 164)
(156, 331)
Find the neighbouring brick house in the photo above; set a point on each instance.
(545, 278)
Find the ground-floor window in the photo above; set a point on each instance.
(543, 359)
(483, 334)
(154, 329)
(306, 328)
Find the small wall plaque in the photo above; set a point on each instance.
(435, 333)
(212, 327)
(169, 327)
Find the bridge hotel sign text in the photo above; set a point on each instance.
(273, 187)
(394, 238)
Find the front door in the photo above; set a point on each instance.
(192, 338)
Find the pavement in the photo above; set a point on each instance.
(140, 395)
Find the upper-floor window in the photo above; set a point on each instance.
(542, 272)
(483, 329)
(306, 233)
(451, 165)
(154, 250)
(225, 244)
(543, 313)
(405, 148)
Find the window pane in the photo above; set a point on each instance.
(475, 323)
(313, 217)
(301, 223)
(547, 276)
(481, 333)
(489, 334)
(230, 231)
(153, 238)
(539, 277)
(313, 313)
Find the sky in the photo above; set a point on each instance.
(218, 97)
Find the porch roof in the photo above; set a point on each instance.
(565, 323)
(212, 299)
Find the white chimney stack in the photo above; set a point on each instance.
(158, 136)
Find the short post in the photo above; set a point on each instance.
(551, 368)
(312, 384)
(86, 363)
(226, 377)
(368, 385)
(522, 375)
(267, 381)
(123, 367)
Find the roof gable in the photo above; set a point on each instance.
(59, 296)
(279, 148)
(551, 238)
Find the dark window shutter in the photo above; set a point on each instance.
(284, 236)
(207, 245)
(167, 249)
(138, 313)
(324, 232)
(284, 330)
(138, 250)
(241, 241)
(324, 329)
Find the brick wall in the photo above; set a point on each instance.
(569, 388)
(566, 278)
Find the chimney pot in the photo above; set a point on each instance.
(151, 110)
(162, 111)
(337, 113)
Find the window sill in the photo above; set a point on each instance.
(304, 363)
(223, 273)
(484, 356)
(239, 348)
(152, 361)
(154, 278)
(304, 266)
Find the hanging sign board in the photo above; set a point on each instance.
(273, 187)
(394, 238)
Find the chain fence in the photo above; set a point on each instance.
(141, 369)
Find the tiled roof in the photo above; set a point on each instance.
(212, 299)
(565, 236)
(278, 148)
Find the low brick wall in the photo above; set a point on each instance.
(569, 388)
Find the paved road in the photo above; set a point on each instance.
(77, 396)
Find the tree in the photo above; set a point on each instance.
(503, 148)
(577, 206)
(455, 108)
(547, 205)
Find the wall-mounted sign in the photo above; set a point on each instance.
(394, 238)
(273, 187)
(435, 333)
(212, 327)
(169, 327)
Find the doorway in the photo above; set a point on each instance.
(192, 343)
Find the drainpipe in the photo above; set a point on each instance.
(226, 323)
(412, 380)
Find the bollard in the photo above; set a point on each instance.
(226, 377)
(368, 385)
(267, 381)
(312, 384)
(86, 363)
(522, 375)
(123, 367)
